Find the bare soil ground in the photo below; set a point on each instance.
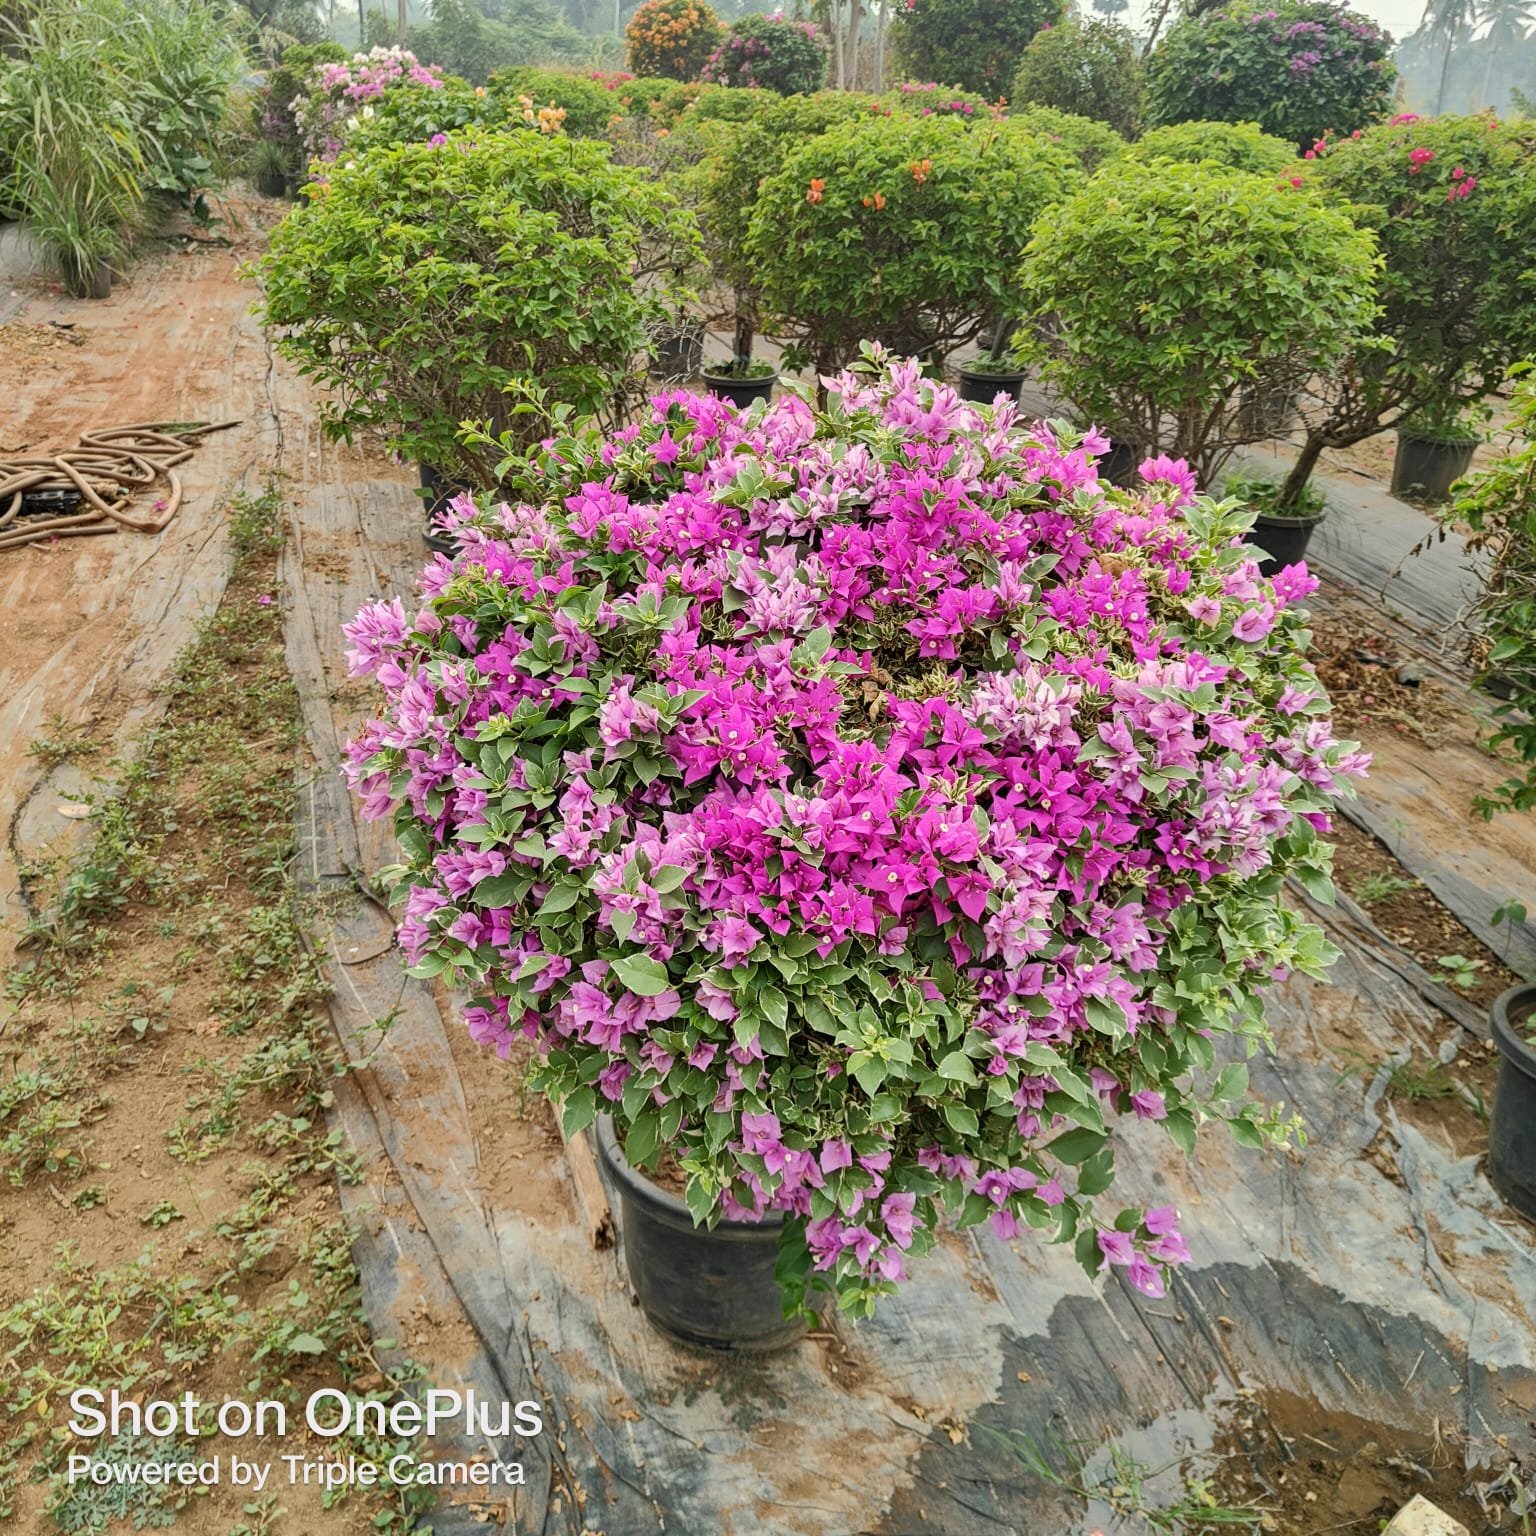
(169, 1215)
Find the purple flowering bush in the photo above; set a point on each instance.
(772, 52)
(1297, 68)
(871, 806)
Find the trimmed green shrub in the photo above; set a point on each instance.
(1237, 146)
(905, 231)
(403, 285)
(1085, 66)
(976, 44)
(1297, 68)
(588, 105)
(1452, 204)
(1162, 294)
(1090, 143)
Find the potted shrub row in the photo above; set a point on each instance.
(746, 790)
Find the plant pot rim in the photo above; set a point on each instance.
(1438, 439)
(662, 1203)
(971, 371)
(717, 376)
(1280, 520)
(1512, 1047)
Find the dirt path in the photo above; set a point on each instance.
(88, 626)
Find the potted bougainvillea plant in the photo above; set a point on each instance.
(864, 808)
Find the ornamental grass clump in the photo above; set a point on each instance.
(869, 806)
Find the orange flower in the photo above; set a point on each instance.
(876, 202)
(818, 186)
(921, 170)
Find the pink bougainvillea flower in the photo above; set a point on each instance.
(871, 805)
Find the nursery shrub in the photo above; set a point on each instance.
(976, 44)
(1237, 146)
(906, 231)
(405, 285)
(773, 53)
(1163, 293)
(672, 39)
(1297, 68)
(1086, 66)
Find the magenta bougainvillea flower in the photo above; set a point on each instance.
(871, 805)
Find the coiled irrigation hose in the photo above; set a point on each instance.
(91, 488)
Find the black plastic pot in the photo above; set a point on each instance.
(1512, 1122)
(740, 391)
(438, 489)
(1265, 412)
(1118, 466)
(982, 388)
(272, 183)
(1427, 468)
(680, 354)
(712, 1287)
(1284, 540)
(93, 282)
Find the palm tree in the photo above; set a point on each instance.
(1111, 8)
(1507, 21)
(1447, 20)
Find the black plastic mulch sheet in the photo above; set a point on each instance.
(1374, 1273)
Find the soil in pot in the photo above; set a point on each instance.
(711, 1287)
(1284, 540)
(982, 387)
(740, 390)
(1512, 1123)
(1426, 469)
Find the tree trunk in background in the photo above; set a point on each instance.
(880, 45)
(1445, 64)
(1159, 16)
(401, 21)
(1301, 472)
(856, 18)
(835, 16)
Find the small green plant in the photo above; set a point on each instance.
(64, 741)
(1131, 1489)
(89, 1198)
(85, 1506)
(1377, 888)
(1459, 971)
(163, 1213)
(1262, 492)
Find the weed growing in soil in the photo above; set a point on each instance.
(173, 948)
(1121, 1485)
(1378, 888)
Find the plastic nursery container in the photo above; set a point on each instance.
(740, 391)
(1512, 1123)
(1284, 540)
(1427, 468)
(712, 1287)
(438, 490)
(982, 387)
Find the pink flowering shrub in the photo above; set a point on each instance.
(870, 806)
(339, 93)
